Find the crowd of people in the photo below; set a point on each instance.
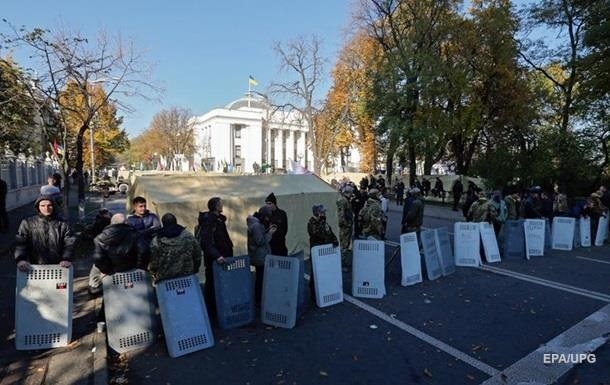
(533, 203)
(168, 250)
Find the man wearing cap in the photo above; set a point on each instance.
(280, 220)
(372, 217)
(320, 233)
(174, 251)
(346, 221)
(44, 238)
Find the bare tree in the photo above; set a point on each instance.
(66, 58)
(302, 61)
(176, 127)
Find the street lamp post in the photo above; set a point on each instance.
(92, 154)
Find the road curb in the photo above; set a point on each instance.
(100, 353)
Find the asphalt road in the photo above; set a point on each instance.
(460, 329)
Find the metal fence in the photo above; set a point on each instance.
(21, 170)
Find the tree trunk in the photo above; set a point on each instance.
(412, 161)
(79, 163)
(389, 160)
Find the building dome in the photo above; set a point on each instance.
(253, 101)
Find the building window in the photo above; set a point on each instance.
(237, 151)
(237, 131)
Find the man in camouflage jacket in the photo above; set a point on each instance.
(320, 233)
(346, 221)
(372, 217)
(174, 252)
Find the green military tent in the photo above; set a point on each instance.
(185, 195)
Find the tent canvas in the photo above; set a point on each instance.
(185, 195)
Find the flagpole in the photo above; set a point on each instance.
(249, 91)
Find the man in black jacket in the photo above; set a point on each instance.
(216, 245)
(44, 238)
(280, 220)
(116, 250)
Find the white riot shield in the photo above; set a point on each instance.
(129, 310)
(368, 269)
(443, 243)
(602, 230)
(431, 254)
(326, 264)
(410, 260)
(43, 307)
(534, 237)
(184, 316)
(585, 232)
(563, 233)
(280, 291)
(490, 243)
(467, 244)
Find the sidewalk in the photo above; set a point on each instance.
(83, 361)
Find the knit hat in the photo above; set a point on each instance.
(168, 220)
(317, 209)
(271, 199)
(373, 192)
(43, 198)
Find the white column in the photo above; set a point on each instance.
(278, 148)
(301, 148)
(290, 148)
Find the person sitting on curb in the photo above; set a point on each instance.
(116, 250)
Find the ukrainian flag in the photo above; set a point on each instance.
(252, 81)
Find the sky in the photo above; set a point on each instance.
(202, 50)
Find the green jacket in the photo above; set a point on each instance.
(320, 232)
(482, 211)
(372, 217)
(344, 212)
(174, 253)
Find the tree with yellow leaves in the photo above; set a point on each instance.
(346, 103)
